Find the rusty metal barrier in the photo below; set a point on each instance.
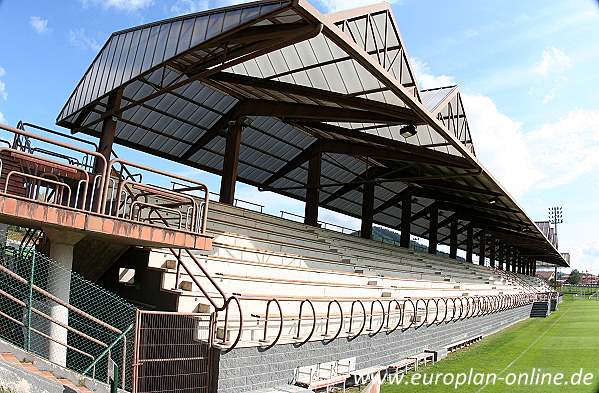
(82, 185)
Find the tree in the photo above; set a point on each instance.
(575, 277)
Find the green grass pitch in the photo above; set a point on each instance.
(563, 343)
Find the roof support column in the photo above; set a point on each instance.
(492, 251)
(367, 210)
(501, 255)
(313, 191)
(469, 243)
(109, 129)
(453, 237)
(519, 263)
(433, 228)
(508, 258)
(521, 260)
(527, 266)
(231, 162)
(406, 220)
(514, 263)
(482, 249)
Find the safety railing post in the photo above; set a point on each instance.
(30, 301)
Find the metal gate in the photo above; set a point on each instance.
(172, 352)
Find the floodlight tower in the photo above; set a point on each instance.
(556, 217)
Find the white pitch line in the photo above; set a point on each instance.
(527, 348)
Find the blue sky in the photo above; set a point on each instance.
(527, 69)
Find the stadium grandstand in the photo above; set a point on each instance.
(119, 273)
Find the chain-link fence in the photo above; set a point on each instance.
(55, 313)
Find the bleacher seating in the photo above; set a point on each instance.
(259, 257)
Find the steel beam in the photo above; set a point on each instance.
(302, 157)
(492, 250)
(367, 210)
(231, 162)
(469, 243)
(313, 191)
(482, 251)
(433, 228)
(396, 112)
(218, 127)
(406, 219)
(453, 237)
(109, 128)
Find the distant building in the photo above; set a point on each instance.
(547, 275)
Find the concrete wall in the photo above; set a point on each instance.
(248, 369)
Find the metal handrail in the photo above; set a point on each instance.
(200, 185)
(53, 298)
(28, 135)
(454, 309)
(123, 337)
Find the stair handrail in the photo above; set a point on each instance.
(198, 284)
(108, 349)
(76, 310)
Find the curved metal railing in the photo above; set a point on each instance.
(352, 318)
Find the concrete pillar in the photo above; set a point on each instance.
(62, 244)
(3, 234)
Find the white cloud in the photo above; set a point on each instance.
(426, 80)
(3, 93)
(553, 60)
(338, 5)
(566, 149)
(552, 155)
(39, 24)
(2, 118)
(80, 39)
(501, 145)
(121, 5)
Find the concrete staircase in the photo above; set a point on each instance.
(540, 310)
(58, 382)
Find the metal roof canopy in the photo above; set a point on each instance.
(339, 85)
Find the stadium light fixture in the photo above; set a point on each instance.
(556, 217)
(408, 131)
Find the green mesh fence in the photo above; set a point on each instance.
(99, 322)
